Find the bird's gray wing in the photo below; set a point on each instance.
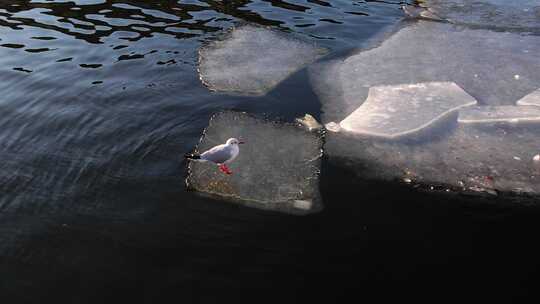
(218, 154)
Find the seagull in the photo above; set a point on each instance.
(220, 154)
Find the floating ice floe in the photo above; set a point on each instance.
(277, 169)
(502, 14)
(252, 60)
(394, 111)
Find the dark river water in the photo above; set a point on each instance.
(99, 100)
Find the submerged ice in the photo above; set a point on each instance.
(488, 158)
(252, 60)
(277, 168)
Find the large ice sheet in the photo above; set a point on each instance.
(502, 14)
(490, 151)
(500, 114)
(252, 60)
(277, 168)
(496, 68)
(395, 111)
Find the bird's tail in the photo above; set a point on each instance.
(192, 156)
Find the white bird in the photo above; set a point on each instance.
(221, 154)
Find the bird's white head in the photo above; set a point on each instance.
(233, 141)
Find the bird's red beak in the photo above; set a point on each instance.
(241, 142)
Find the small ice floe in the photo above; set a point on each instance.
(278, 168)
(536, 158)
(399, 110)
(532, 99)
(251, 60)
(309, 122)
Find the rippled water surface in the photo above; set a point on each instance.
(100, 92)
(99, 100)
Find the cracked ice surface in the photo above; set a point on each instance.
(393, 111)
(502, 14)
(253, 60)
(277, 168)
(496, 68)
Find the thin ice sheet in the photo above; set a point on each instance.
(252, 60)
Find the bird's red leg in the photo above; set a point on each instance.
(223, 168)
(226, 169)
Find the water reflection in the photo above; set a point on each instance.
(91, 21)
